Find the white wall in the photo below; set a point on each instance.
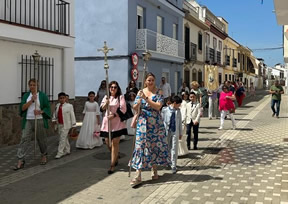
(10, 78)
(89, 75)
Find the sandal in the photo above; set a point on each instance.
(43, 161)
(154, 173)
(136, 180)
(17, 167)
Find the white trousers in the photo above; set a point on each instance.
(222, 118)
(173, 142)
(213, 105)
(64, 145)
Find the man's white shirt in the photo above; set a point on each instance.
(166, 90)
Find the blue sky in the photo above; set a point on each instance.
(251, 24)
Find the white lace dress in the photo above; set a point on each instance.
(182, 149)
(86, 138)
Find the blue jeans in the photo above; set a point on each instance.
(277, 106)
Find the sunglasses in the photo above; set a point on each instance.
(113, 87)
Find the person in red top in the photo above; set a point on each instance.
(226, 106)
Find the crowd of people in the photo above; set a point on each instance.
(162, 123)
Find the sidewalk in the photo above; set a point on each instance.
(241, 166)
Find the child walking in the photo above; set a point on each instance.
(192, 116)
(173, 126)
(88, 137)
(64, 117)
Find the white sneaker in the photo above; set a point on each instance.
(233, 127)
(220, 128)
(58, 156)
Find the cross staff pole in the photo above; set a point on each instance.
(105, 50)
(146, 57)
(36, 58)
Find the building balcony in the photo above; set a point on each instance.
(159, 44)
(191, 9)
(46, 15)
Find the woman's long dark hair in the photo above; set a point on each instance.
(119, 92)
(102, 82)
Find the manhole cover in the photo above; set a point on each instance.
(106, 155)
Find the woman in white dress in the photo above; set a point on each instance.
(183, 150)
(89, 136)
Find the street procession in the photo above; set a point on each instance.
(144, 101)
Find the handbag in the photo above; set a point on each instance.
(73, 133)
(96, 132)
(128, 114)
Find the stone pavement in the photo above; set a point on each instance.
(246, 165)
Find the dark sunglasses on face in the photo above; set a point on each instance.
(113, 87)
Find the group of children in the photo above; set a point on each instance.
(64, 120)
(179, 116)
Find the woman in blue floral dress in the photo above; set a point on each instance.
(151, 147)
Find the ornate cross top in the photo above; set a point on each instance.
(105, 50)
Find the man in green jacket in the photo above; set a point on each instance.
(29, 113)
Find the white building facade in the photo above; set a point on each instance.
(45, 26)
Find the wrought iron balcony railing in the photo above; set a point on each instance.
(150, 40)
(48, 15)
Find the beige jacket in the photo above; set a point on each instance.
(68, 115)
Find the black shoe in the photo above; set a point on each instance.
(19, 167)
(110, 171)
(189, 148)
(195, 148)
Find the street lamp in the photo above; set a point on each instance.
(36, 58)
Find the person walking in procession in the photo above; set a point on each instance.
(64, 117)
(192, 116)
(226, 106)
(151, 148)
(166, 89)
(276, 90)
(89, 136)
(117, 127)
(173, 125)
(29, 113)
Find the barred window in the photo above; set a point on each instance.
(42, 71)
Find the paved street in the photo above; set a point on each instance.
(246, 165)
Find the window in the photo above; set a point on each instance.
(207, 39)
(160, 25)
(212, 55)
(187, 43)
(193, 56)
(175, 31)
(220, 45)
(214, 43)
(218, 57)
(227, 61)
(220, 78)
(226, 77)
(43, 72)
(140, 17)
(199, 41)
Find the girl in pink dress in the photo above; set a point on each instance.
(118, 128)
(226, 106)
